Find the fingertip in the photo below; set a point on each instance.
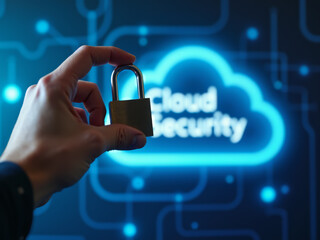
(133, 58)
(138, 141)
(121, 57)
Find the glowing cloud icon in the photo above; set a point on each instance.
(229, 79)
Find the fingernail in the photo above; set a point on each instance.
(138, 141)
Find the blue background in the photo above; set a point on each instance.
(276, 43)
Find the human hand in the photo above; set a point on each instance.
(52, 140)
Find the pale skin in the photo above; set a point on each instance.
(52, 141)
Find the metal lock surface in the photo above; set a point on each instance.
(135, 113)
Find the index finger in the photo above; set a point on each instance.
(81, 61)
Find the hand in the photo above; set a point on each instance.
(52, 140)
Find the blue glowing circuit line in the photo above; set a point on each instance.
(282, 57)
(172, 30)
(219, 206)
(58, 39)
(144, 197)
(32, 55)
(86, 218)
(274, 45)
(57, 36)
(119, 170)
(2, 7)
(92, 40)
(214, 207)
(284, 220)
(55, 237)
(312, 169)
(296, 67)
(312, 161)
(12, 69)
(204, 207)
(129, 205)
(101, 8)
(100, 32)
(160, 219)
(212, 232)
(303, 23)
(230, 79)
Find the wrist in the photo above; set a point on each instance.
(40, 180)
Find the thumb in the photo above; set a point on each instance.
(121, 137)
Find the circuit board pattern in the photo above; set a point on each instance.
(274, 43)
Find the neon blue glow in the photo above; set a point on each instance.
(179, 197)
(229, 179)
(304, 70)
(137, 183)
(229, 79)
(194, 225)
(278, 85)
(143, 30)
(42, 26)
(129, 230)
(11, 93)
(143, 41)
(252, 33)
(268, 194)
(285, 189)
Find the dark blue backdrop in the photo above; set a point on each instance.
(234, 86)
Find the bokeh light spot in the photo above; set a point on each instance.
(143, 41)
(129, 230)
(194, 225)
(285, 189)
(137, 183)
(42, 26)
(11, 93)
(304, 70)
(252, 33)
(229, 179)
(268, 194)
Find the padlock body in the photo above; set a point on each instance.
(135, 113)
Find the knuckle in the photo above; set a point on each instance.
(84, 48)
(30, 89)
(95, 86)
(50, 90)
(45, 81)
(121, 138)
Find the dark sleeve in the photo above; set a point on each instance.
(16, 202)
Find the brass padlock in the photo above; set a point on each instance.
(135, 113)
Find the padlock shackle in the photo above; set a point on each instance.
(114, 80)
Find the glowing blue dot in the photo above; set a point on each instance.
(252, 33)
(285, 189)
(129, 230)
(178, 197)
(143, 30)
(229, 179)
(268, 194)
(11, 93)
(194, 225)
(304, 70)
(137, 183)
(143, 41)
(42, 26)
(278, 85)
